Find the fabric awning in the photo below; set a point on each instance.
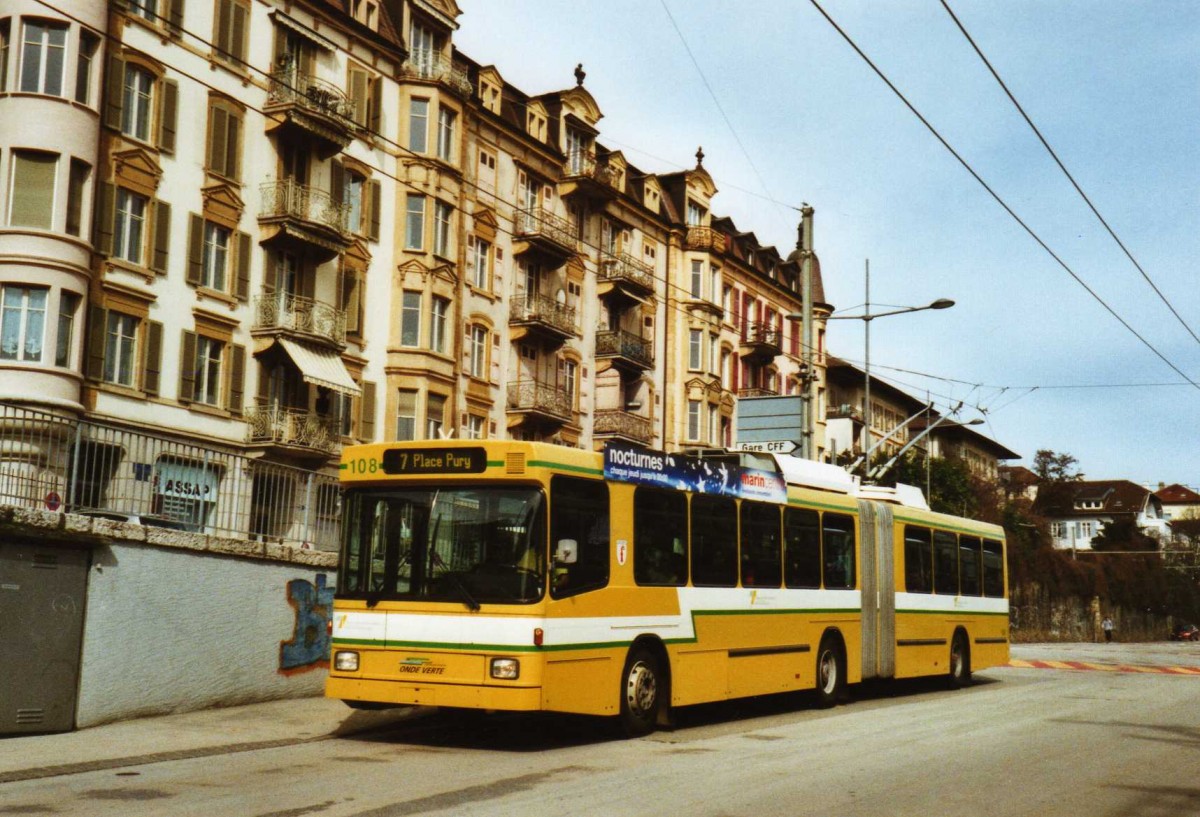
(304, 31)
(320, 367)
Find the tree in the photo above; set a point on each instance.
(1123, 534)
(952, 489)
(1054, 467)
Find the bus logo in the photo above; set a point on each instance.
(423, 666)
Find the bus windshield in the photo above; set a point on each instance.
(465, 545)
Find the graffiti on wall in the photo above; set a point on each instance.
(308, 647)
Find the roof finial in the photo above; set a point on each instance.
(699, 157)
(579, 75)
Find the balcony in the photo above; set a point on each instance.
(306, 215)
(635, 277)
(436, 68)
(542, 316)
(283, 313)
(844, 411)
(296, 430)
(621, 425)
(704, 238)
(756, 392)
(311, 108)
(625, 350)
(585, 176)
(761, 342)
(539, 230)
(540, 403)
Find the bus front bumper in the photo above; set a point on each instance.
(522, 699)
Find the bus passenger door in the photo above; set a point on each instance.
(877, 567)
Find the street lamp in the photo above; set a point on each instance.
(866, 318)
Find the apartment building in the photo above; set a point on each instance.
(271, 229)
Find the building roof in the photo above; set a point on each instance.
(1090, 498)
(1018, 476)
(1177, 495)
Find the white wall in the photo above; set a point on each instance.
(171, 630)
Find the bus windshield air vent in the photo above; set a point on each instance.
(514, 463)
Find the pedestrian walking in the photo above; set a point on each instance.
(1107, 626)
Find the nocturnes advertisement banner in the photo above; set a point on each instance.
(646, 466)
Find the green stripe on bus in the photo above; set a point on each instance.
(579, 469)
(950, 613)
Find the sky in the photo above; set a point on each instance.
(787, 112)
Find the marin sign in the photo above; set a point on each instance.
(434, 461)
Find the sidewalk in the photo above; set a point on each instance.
(189, 734)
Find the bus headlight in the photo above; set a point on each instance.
(506, 669)
(345, 661)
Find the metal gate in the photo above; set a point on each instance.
(42, 593)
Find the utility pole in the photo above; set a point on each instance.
(807, 448)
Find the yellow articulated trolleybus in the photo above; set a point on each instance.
(526, 576)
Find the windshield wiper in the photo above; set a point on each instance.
(447, 573)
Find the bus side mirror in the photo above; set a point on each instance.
(566, 552)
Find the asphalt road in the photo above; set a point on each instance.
(1020, 741)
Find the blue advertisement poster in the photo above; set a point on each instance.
(646, 466)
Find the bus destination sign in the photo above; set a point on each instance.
(434, 461)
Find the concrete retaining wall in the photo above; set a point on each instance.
(177, 621)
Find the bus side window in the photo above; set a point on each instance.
(760, 545)
(659, 537)
(968, 565)
(802, 558)
(993, 569)
(837, 536)
(714, 541)
(918, 559)
(579, 511)
(945, 563)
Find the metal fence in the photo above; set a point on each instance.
(53, 462)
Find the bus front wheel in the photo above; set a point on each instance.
(831, 673)
(641, 689)
(960, 662)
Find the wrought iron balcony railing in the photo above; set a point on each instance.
(618, 342)
(756, 392)
(280, 310)
(583, 163)
(704, 238)
(295, 427)
(527, 308)
(289, 199)
(763, 334)
(537, 222)
(624, 267)
(531, 395)
(290, 87)
(630, 426)
(427, 65)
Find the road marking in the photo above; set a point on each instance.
(1088, 666)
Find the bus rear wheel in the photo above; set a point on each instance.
(831, 673)
(641, 693)
(960, 662)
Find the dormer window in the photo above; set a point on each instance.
(489, 94)
(366, 12)
(535, 125)
(695, 214)
(579, 152)
(651, 199)
(424, 50)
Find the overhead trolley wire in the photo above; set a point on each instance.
(996, 196)
(1066, 172)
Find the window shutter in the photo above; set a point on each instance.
(366, 422)
(195, 259)
(237, 378)
(376, 209)
(358, 93)
(97, 328)
(114, 92)
(374, 106)
(232, 167)
(162, 237)
(224, 38)
(243, 267)
(105, 213)
(217, 137)
(170, 113)
(187, 367)
(175, 18)
(237, 43)
(337, 183)
(152, 363)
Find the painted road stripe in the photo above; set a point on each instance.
(1087, 666)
